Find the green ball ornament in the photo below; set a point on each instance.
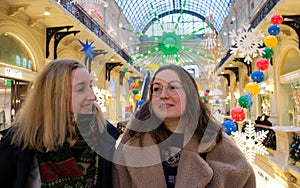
(125, 69)
(135, 91)
(267, 53)
(245, 101)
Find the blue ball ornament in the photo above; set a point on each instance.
(229, 126)
(130, 80)
(140, 102)
(257, 76)
(207, 90)
(274, 30)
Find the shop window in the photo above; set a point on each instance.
(12, 95)
(13, 52)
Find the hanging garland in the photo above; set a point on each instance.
(257, 76)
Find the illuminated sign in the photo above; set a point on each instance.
(13, 73)
(94, 10)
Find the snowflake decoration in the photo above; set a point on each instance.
(100, 96)
(246, 43)
(250, 142)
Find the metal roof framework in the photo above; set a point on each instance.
(140, 13)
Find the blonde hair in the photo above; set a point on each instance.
(44, 119)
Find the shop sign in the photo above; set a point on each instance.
(13, 73)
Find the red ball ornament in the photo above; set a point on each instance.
(132, 86)
(205, 94)
(262, 64)
(276, 19)
(237, 114)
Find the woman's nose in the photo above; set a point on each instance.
(164, 93)
(91, 95)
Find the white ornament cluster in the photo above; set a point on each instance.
(250, 141)
(246, 43)
(100, 96)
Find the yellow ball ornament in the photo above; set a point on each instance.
(127, 74)
(199, 88)
(270, 41)
(137, 97)
(252, 88)
(137, 83)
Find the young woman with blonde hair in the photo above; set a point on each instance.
(49, 143)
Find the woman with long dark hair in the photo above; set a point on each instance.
(174, 141)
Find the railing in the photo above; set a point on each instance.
(80, 14)
(270, 140)
(264, 12)
(295, 148)
(259, 17)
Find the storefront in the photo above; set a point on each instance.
(17, 69)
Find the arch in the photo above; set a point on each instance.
(27, 37)
(283, 90)
(171, 12)
(141, 13)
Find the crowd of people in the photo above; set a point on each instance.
(60, 137)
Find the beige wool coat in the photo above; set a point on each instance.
(224, 167)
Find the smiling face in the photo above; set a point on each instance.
(82, 93)
(168, 96)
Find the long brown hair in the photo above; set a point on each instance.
(44, 119)
(196, 112)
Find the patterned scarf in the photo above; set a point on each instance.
(70, 166)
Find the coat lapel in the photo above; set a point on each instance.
(193, 171)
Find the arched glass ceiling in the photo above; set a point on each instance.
(188, 23)
(140, 14)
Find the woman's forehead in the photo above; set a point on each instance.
(79, 74)
(167, 76)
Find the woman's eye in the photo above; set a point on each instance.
(156, 89)
(80, 90)
(174, 87)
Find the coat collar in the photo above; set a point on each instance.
(208, 140)
(193, 171)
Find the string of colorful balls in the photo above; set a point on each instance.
(205, 92)
(133, 87)
(257, 76)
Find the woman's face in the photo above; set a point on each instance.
(82, 94)
(168, 96)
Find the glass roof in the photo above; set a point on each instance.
(141, 13)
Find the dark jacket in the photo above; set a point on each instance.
(15, 162)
